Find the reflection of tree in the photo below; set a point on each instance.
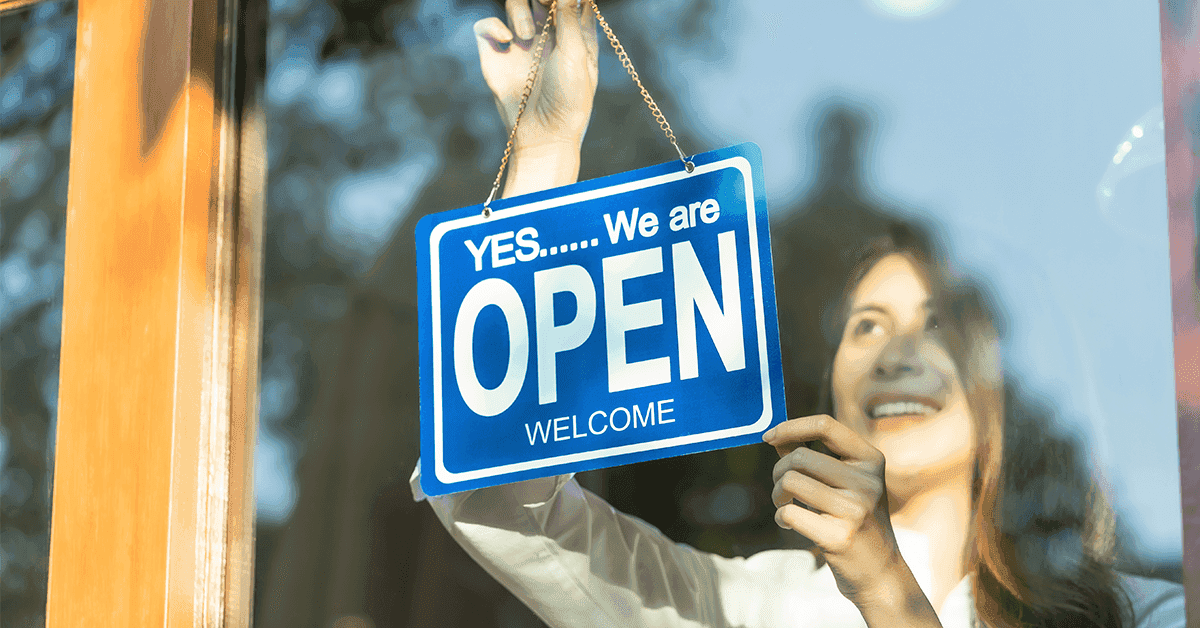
(355, 544)
(36, 75)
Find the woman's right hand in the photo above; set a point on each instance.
(846, 515)
(560, 105)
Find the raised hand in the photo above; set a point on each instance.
(560, 105)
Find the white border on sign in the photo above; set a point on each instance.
(445, 476)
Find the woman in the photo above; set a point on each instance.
(914, 489)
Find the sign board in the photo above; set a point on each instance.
(611, 321)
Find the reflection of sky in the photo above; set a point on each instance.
(1001, 120)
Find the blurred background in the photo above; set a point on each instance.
(1027, 137)
(37, 71)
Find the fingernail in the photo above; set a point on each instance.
(525, 29)
(769, 435)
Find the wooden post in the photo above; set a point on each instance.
(152, 512)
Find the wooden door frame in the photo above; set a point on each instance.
(152, 520)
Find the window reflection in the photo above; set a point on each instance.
(379, 115)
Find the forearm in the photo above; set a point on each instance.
(575, 560)
(897, 600)
(543, 167)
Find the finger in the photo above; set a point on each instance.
(840, 439)
(814, 494)
(809, 462)
(828, 470)
(568, 28)
(492, 31)
(520, 18)
(828, 533)
(815, 445)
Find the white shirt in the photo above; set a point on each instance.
(577, 562)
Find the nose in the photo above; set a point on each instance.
(899, 358)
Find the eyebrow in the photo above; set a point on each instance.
(927, 305)
(867, 308)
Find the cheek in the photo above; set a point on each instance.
(850, 365)
(844, 381)
(940, 359)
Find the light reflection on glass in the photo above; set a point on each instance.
(910, 8)
(1136, 169)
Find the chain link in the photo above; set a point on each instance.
(532, 78)
(529, 81)
(624, 58)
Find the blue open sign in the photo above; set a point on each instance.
(611, 321)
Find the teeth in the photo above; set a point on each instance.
(900, 408)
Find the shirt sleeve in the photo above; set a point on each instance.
(1156, 603)
(575, 560)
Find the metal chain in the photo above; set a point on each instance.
(658, 115)
(531, 79)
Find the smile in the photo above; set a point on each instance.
(900, 408)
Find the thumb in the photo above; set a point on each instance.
(490, 36)
(491, 32)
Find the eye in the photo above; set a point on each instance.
(931, 323)
(864, 327)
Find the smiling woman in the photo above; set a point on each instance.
(971, 464)
(895, 381)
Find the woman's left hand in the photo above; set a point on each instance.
(847, 514)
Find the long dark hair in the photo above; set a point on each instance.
(1042, 535)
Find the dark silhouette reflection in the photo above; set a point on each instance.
(720, 501)
(815, 241)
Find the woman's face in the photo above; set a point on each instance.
(895, 383)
